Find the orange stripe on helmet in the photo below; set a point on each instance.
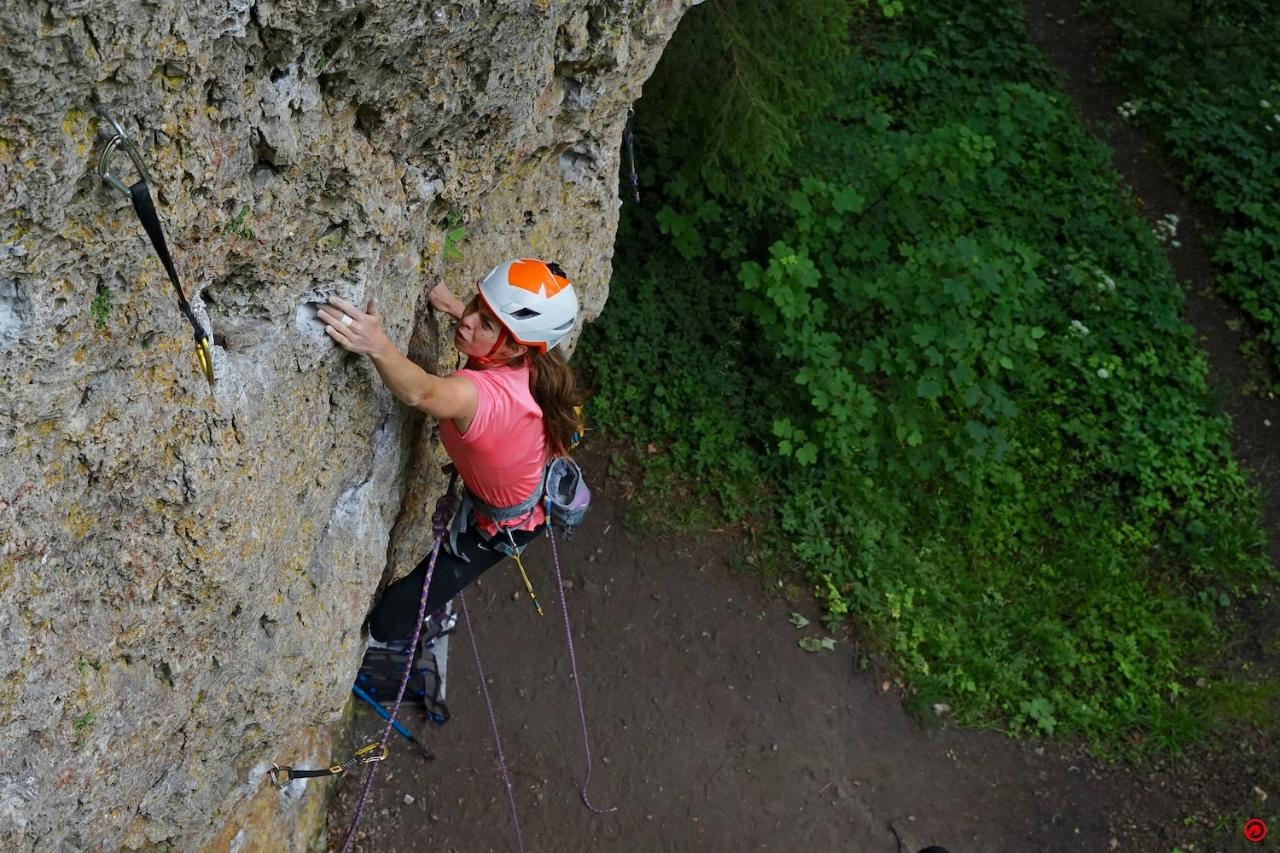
(535, 277)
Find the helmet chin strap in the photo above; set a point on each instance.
(487, 360)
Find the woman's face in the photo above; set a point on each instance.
(478, 331)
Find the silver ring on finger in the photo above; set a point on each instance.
(346, 319)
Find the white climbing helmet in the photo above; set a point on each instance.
(534, 300)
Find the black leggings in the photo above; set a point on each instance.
(393, 617)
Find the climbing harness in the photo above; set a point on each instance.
(462, 519)
(567, 499)
(630, 139)
(140, 195)
(367, 754)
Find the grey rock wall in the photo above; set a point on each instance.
(184, 571)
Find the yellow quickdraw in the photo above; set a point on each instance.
(515, 553)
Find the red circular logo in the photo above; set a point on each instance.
(1254, 830)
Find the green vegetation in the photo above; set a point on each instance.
(941, 370)
(240, 226)
(81, 725)
(455, 233)
(1205, 81)
(735, 84)
(100, 307)
(83, 666)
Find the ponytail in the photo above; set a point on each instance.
(555, 389)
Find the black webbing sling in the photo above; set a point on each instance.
(140, 195)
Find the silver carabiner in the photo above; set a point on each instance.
(119, 139)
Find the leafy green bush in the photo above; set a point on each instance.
(1205, 78)
(674, 373)
(987, 429)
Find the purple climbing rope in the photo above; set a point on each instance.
(439, 526)
(577, 682)
(493, 721)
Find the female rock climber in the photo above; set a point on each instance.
(501, 418)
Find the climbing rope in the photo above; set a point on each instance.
(493, 717)
(439, 527)
(577, 682)
(493, 721)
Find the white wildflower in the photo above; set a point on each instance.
(1079, 328)
(1265, 104)
(1166, 227)
(1128, 109)
(1103, 373)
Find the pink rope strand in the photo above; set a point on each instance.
(439, 522)
(493, 721)
(577, 682)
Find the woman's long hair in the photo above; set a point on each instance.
(555, 388)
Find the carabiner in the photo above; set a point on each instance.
(367, 754)
(120, 138)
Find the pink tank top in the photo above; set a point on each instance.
(504, 451)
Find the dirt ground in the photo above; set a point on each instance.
(711, 730)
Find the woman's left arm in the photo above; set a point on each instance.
(361, 332)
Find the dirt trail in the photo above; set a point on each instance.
(711, 730)
(1078, 47)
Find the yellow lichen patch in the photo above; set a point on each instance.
(78, 522)
(10, 689)
(76, 125)
(189, 528)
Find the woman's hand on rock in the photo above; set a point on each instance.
(354, 330)
(442, 299)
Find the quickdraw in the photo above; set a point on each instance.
(523, 574)
(140, 195)
(367, 754)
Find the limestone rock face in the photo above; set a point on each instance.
(184, 571)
